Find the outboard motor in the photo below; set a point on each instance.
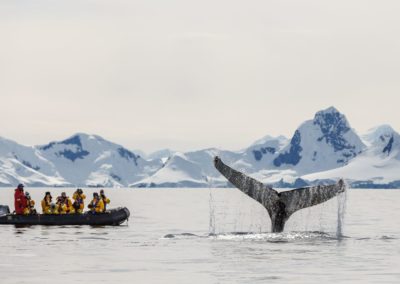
(4, 210)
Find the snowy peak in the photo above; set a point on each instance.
(292, 156)
(321, 149)
(257, 156)
(25, 155)
(377, 134)
(383, 141)
(177, 171)
(267, 147)
(333, 126)
(326, 142)
(70, 148)
(161, 154)
(82, 145)
(25, 164)
(268, 138)
(183, 167)
(376, 167)
(91, 160)
(192, 169)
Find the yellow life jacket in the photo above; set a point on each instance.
(97, 205)
(105, 201)
(46, 206)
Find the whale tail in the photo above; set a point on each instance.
(280, 205)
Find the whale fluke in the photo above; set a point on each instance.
(280, 205)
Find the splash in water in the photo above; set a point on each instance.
(211, 222)
(275, 237)
(341, 211)
(249, 236)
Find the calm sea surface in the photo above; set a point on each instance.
(210, 236)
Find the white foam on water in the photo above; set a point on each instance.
(275, 237)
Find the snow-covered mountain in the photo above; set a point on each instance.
(324, 143)
(163, 154)
(93, 161)
(261, 154)
(178, 171)
(191, 169)
(25, 164)
(378, 166)
(383, 141)
(321, 150)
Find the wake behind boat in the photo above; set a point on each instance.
(112, 217)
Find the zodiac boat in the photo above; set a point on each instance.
(112, 217)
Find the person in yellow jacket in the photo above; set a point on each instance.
(46, 203)
(60, 206)
(78, 198)
(105, 199)
(64, 204)
(30, 205)
(69, 207)
(97, 204)
(54, 209)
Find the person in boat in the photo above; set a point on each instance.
(19, 199)
(105, 199)
(64, 204)
(60, 205)
(54, 209)
(70, 208)
(78, 198)
(46, 203)
(97, 204)
(30, 205)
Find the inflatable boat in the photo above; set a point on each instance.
(112, 217)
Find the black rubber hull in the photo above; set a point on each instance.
(113, 217)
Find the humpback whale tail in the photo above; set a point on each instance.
(280, 205)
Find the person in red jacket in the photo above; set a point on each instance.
(19, 199)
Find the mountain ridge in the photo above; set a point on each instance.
(321, 150)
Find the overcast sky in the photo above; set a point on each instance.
(185, 74)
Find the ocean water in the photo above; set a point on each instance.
(211, 236)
